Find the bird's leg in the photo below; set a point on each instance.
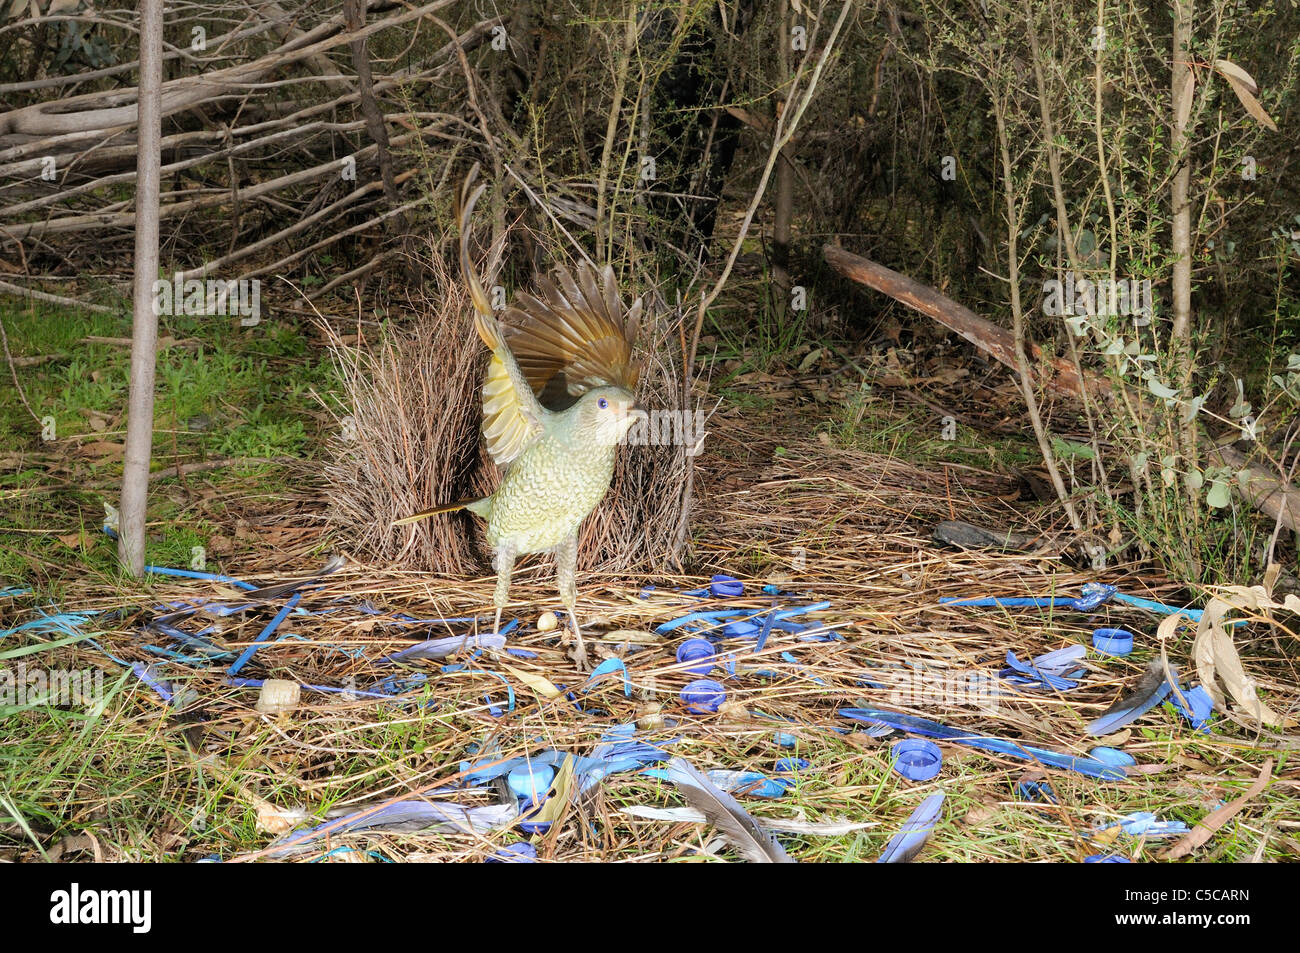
(505, 562)
(566, 562)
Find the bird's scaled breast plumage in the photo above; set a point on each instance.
(547, 493)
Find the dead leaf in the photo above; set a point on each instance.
(1229, 70)
(101, 450)
(1250, 102)
(276, 820)
(534, 681)
(1203, 831)
(561, 788)
(1217, 659)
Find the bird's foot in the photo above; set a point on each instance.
(577, 650)
(578, 653)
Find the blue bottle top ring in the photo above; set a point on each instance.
(917, 759)
(703, 695)
(697, 650)
(1113, 641)
(531, 783)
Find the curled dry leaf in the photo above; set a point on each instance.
(1246, 89)
(534, 681)
(1216, 655)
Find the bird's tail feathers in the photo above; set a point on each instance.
(465, 202)
(473, 505)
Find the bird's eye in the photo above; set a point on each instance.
(602, 403)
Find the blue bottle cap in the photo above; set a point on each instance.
(1112, 756)
(693, 650)
(726, 586)
(703, 695)
(917, 759)
(531, 782)
(741, 630)
(1112, 641)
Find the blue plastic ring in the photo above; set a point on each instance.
(531, 783)
(917, 759)
(697, 650)
(703, 695)
(1113, 641)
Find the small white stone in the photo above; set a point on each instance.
(277, 696)
(547, 621)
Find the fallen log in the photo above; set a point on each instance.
(1266, 491)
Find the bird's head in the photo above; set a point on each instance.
(602, 416)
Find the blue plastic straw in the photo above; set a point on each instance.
(265, 634)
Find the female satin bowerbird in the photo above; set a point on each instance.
(574, 339)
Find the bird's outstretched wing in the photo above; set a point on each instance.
(512, 416)
(577, 335)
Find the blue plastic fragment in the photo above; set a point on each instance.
(712, 615)
(194, 574)
(1198, 708)
(703, 695)
(1094, 594)
(915, 831)
(608, 667)
(769, 620)
(143, 673)
(784, 739)
(1014, 749)
(726, 586)
(1112, 641)
(743, 629)
(1055, 671)
(917, 759)
(1106, 859)
(67, 623)
(792, 765)
(530, 782)
(265, 634)
(1145, 824)
(1040, 791)
(699, 651)
(520, 853)
(1112, 756)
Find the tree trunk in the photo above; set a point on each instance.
(144, 323)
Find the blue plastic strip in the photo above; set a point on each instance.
(1014, 749)
(265, 634)
(193, 574)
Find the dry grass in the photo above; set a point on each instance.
(863, 522)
